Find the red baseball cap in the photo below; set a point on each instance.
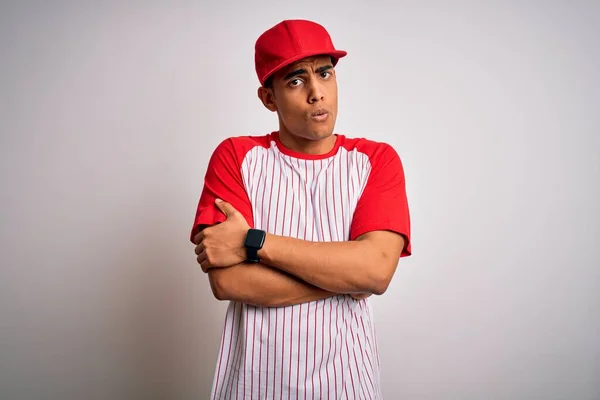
(290, 41)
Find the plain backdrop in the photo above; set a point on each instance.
(109, 112)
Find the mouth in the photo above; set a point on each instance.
(319, 115)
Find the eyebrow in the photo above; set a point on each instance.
(303, 71)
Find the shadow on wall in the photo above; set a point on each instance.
(117, 309)
(173, 324)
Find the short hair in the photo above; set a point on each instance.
(268, 83)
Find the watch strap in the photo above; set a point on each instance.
(252, 255)
(254, 241)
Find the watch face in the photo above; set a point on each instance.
(255, 238)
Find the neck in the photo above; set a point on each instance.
(306, 146)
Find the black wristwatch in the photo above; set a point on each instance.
(255, 238)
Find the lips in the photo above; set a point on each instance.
(319, 115)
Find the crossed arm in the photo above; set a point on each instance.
(260, 285)
(294, 271)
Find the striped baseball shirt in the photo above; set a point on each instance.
(325, 349)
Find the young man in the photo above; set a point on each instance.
(297, 229)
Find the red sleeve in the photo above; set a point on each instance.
(383, 204)
(223, 180)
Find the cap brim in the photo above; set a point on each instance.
(336, 55)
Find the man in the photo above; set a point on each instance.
(297, 229)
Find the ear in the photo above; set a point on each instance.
(267, 96)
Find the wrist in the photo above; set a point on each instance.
(253, 243)
(264, 251)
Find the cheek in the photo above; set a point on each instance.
(291, 113)
(334, 94)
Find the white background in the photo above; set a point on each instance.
(109, 112)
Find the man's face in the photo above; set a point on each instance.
(305, 98)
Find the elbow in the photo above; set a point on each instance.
(218, 285)
(380, 279)
(375, 283)
(378, 268)
(220, 295)
(380, 286)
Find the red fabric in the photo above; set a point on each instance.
(290, 41)
(223, 181)
(383, 204)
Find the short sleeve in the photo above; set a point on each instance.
(223, 180)
(383, 204)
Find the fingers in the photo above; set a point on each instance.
(205, 266)
(201, 256)
(199, 237)
(225, 207)
(203, 261)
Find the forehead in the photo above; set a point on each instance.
(307, 63)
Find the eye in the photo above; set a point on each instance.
(326, 74)
(295, 82)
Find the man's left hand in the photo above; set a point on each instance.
(222, 245)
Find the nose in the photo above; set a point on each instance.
(316, 92)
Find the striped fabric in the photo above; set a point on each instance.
(326, 349)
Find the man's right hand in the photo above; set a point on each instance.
(222, 245)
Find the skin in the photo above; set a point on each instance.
(297, 92)
(336, 267)
(294, 271)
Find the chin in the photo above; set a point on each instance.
(320, 133)
(312, 131)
